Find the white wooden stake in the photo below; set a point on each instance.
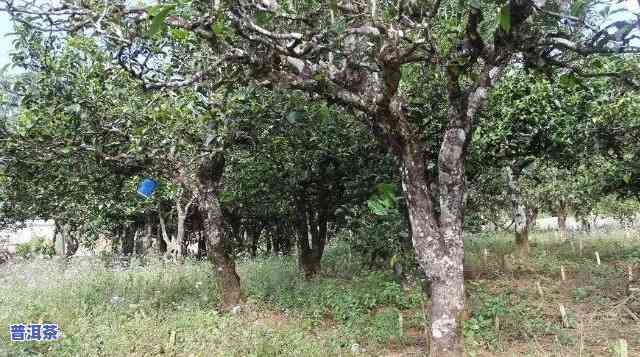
(539, 287)
(564, 277)
(485, 256)
(623, 348)
(597, 258)
(580, 247)
(630, 274)
(563, 314)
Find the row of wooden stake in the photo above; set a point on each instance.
(485, 256)
(562, 272)
(629, 271)
(622, 347)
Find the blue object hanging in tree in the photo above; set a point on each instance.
(146, 188)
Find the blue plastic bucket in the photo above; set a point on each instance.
(146, 188)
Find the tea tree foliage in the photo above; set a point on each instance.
(417, 74)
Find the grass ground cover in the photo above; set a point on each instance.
(153, 307)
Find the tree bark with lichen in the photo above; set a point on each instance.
(210, 184)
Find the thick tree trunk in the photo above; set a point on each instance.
(202, 245)
(56, 231)
(147, 236)
(179, 244)
(115, 243)
(522, 241)
(198, 230)
(319, 236)
(285, 240)
(182, 211)
(210, 176)
(437, 234)
(562, 220)
(532, 215)
(127, 241)
(275, 243)
(268, 247)
(224, 266)
(439, 251)
(406, 242)
(279, 237)
(65, 243)
(163, 238)
(139, 241)
(72, 241)
(311, 238)
(59, 244)
(309, 264)
(252, 239)
(305, 259)
(519, 211)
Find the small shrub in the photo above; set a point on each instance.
(23, 250)
(43, 247)
(36, 246)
